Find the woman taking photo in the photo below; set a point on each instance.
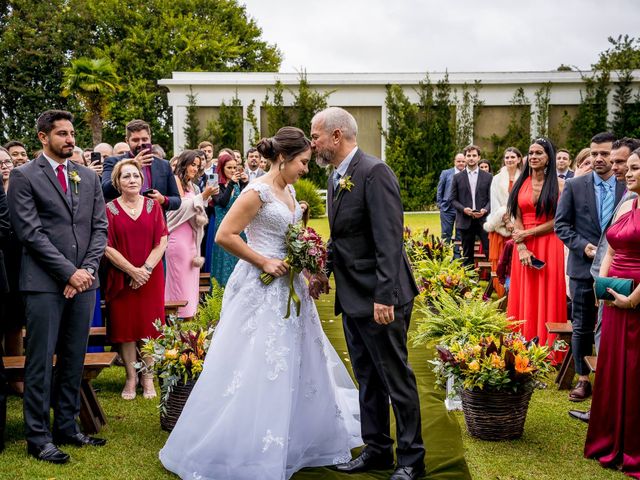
(186, 229)
(614, 423)
(498, 222)
(137, 239)
(231, 184)
(537, 266)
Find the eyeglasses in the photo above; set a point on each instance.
(5, 163)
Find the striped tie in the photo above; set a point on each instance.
(606, 205)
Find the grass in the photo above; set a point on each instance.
(415, 221)
(551, 447)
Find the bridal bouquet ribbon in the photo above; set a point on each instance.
(305, 251)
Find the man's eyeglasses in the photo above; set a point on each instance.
(5, 163)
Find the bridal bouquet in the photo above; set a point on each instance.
(305, 251)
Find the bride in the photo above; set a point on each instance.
(274, 396)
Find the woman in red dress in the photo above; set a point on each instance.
(137, 239)
(614, 426)
(536, 295)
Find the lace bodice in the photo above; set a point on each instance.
(265, 233)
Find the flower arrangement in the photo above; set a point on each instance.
(505, 363)
(423, 245)
(178, 354)
(438, 275)
(305, 251)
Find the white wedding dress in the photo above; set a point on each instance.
(274, 396)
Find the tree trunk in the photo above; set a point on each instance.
(96, 128)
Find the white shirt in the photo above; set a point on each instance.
(473, 182)
(55, 164)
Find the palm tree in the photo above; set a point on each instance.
(94, 82)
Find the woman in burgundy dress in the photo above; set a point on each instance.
(137, 239)
(614, 427)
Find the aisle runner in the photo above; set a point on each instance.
(440, 430)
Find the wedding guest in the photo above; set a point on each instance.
(121, 148)
(264, 164)
(238, 156)
(253, 164)
(584, 211)
(135, 281)
(231, 184)
(498, 224)
(443, 198)
(583, 162)
(57, 212)
(612, 437)
(563, 162)
(18, 152)
(186, 229)
(533, 293)
(78, 156)
(158, 151)
(485, 165)
(4, 289)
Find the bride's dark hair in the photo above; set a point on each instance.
(288, 142)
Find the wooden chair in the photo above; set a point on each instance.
(567, 370)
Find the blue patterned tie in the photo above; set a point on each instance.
(606, 205)
(336, 179)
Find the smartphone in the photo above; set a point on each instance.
(537, 263)
(212, 179)
(96, 157)
(146, 193)
(142, 147)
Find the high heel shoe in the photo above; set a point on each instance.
(148, 388)
(129, 393)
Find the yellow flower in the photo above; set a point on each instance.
(474, 366)
(496, 361)
(184, 358)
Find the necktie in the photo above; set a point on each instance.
(606, 205)
(336, 179)
(61, 178)
(562, 176)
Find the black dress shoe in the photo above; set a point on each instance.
(79, 440)
(407, 473)
(47, 452)
(580, 415)
(367, 460)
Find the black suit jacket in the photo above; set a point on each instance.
(58, 236)
(162, 180)
(461, 196)
(366, 249)
(577, 222)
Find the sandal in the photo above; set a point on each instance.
(148, 388)
(129, 393)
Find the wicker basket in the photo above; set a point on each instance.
(175, 404)
(495, 415)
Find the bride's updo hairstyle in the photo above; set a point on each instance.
(288, 142)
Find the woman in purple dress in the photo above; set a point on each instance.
(613, 436)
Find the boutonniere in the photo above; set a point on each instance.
(75, 178)
(345, 183)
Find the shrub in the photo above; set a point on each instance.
(308, 191)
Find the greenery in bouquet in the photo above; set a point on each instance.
(437, 276)
(422, 245)
(305, 251)
(448, 318)
(505, 363)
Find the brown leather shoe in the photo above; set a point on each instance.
(581, 391)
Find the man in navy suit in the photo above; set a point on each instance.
(470, 195)
(58, 214)
(443, 198)
(563, 161)
(585, 209)
(156, 171)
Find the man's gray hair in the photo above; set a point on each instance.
(336, 118)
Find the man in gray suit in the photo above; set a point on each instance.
(253, 169)
(58, 214)
(584, 210)
(374, 293)
(620, 151)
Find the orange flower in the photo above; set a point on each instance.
(522, 364)
(474, 366)
(496, 361)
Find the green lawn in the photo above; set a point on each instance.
(415, 221)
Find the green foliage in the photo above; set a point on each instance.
(208, 313)
(624, 54)
(192, 124)
(253, 121)
(591, 117)
(277, 114)
(518, 131)
(308, 191)
(541, 120)
(226, 132)
(626, 117)
(145, 40)
(468, 107)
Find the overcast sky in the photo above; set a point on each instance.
(430, 35)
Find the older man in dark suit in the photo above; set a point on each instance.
(374, 293)
(58, 214)
(471, 197)
(159, 180)
(585, 209)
